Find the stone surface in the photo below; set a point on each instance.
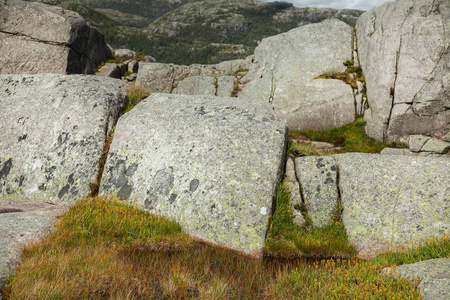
(212, 163)
(124, 52)
(404, 52)
(163, 78)
(397, 151)
(436, 146)
(295, 202)
(133, 66)
(110, 70)
(53, 131)
(225, 86)
(318, 181)
(432, 275)
(196, 85)
(416, 142)
(284, 70)
(39, 38)
(22, 220)
(392, 199)
(289, 174)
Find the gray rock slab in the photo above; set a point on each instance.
(39, 38)
(416, 142)
(295, 202)
(285, 69)
(22, 220)
(404, 53)
(390, 200)
(436, 146)
(196, 85)
(110, 70)
(318, 180)
(432, 276)
(53, 131)
(212, 163)
(289, 175)
(225, 86)
(398, 151)
(124, 53)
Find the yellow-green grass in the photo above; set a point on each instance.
(107, 249)
(136, 94)
(351, 137)
(287, 239)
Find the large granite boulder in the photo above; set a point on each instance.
(403, 48)
(432, 277)
(212, 163)
(164, 78)
(285, 69)
(53, 130)
(39, 38)
(22, 220)
(392, 200)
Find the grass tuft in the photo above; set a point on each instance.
(351, 137)
(136, 94)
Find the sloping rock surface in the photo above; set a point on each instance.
(433, 276)
(391, 200)
(39, 38)
(197, 85)
(212, 163)
(53, 130)
(284, 72)
(404, 51)
(22, 220)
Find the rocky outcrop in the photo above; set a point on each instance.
(404, 52)
(420, 145)
(164, 78)
(39, 38)
(432, 277)
(413, 202)
(22, 220)
(285, 70)
(411, 205)
(53, 131)
(212, 163)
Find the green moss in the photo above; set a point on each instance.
(351, 137)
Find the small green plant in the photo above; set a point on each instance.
(235, 91)
(287, 239)
(127, 73)
(136, 94)
(351, 137)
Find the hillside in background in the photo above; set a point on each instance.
(190, 31)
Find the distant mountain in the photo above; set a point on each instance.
(190, 31)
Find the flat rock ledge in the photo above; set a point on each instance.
(212, 163)
(22, 220)
(432, 276)
(53, 131)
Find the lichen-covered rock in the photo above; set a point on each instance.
(196, 85)
(285, 69)
(391, 200)
(318, 181)
(39, 38)
(53, 130)
(225, 86)
(404, 52)
(432, 276)
(110, 70)
(22, 220)
(212, 163)
(295, 201)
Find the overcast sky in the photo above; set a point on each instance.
(353, 4)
